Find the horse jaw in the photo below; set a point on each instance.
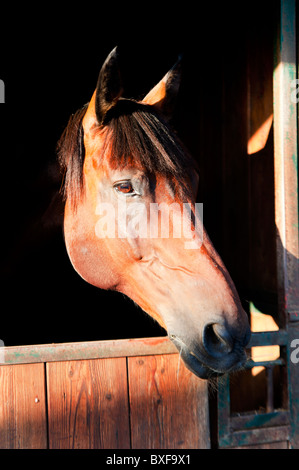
(89, 259)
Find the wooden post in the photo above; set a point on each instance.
(286, 191)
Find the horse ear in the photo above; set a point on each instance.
(163, 95)
(109, 86)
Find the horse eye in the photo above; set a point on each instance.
(125, 187)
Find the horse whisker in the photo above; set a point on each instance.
(178, 368)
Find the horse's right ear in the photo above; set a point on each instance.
(109, 86)
(108, 91)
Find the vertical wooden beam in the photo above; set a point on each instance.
(286, 162)
(169, 404)
(88, 404)
(23, 422)
(286, 190)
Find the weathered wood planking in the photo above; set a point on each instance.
(88, 404)
(86, 350)
(23, 422)
(269, 445)
(144, 401)
(286, 191)
(169, 404)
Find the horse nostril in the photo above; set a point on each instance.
(216, 339)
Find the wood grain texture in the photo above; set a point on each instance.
(23, 407)
(169, 404)
(88, 404)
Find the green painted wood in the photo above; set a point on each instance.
(276, 362)
(286, 161)
(256, 437)
(269, 338)
(86, 350)
(259, 420)
(223, 410)
(286, 193)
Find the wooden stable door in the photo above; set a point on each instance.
(145, 401)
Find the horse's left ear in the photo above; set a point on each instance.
(163, 95)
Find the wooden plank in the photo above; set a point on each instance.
(88, 404)
(268, 338)
(259, 420)
(224, 406)
(276, 362)
(86, 350)
(23, 422)
(286, 161)
(268, 445)
(169, 404)
(286, 190)
(256, 437)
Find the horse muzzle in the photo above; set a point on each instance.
(217, 352)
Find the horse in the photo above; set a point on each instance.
(123, 164)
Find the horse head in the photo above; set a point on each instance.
(132, 224)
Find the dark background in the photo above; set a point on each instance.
(50, 64)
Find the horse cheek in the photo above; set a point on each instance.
(88, 253)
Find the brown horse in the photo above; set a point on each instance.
(124, 168)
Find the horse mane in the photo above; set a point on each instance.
(71, 154)
(134, 133)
